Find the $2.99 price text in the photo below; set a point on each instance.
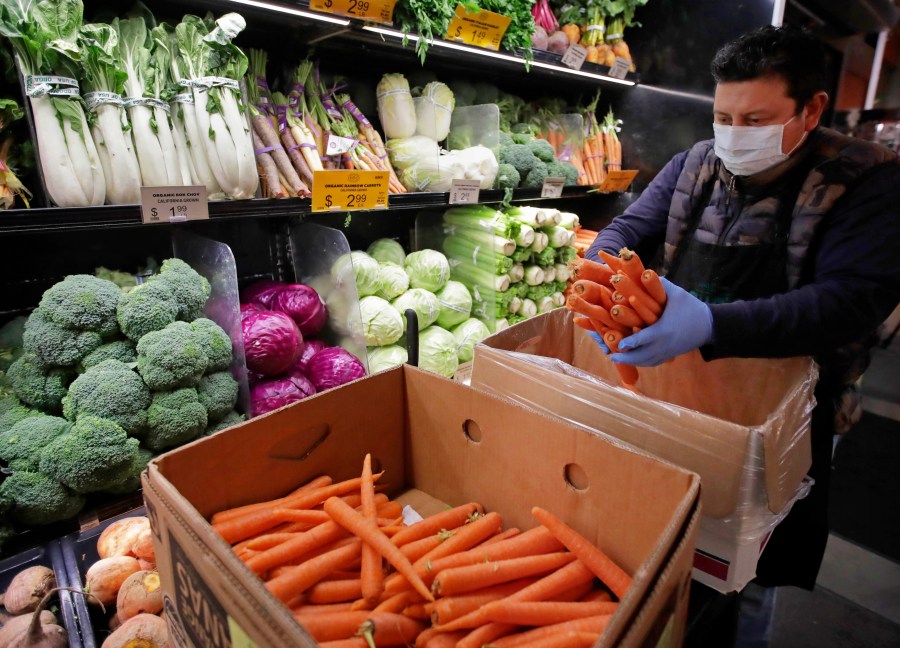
(344, 190)
(372, 10)
(353, 201)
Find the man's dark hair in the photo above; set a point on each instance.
(791, 53)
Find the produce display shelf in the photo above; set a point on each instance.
(56, 219)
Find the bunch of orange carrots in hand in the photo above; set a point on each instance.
(354, 575)
(616, 299)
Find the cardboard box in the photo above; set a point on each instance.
(741, 424)
(432, 437)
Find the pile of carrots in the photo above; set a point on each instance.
(354, 575)
(583, 239)
(616, 299)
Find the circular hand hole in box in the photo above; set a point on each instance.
(576, 477)
(472, 431)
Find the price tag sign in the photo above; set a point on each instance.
(553, 187)
(464, 192)
(378, 11)
(338, 145)
(618, 180)
(619, 69)
(345, 190)
(574, 56)
(174, 204)
(482, 29)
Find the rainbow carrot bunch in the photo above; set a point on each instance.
(339, 555)
(616, 298)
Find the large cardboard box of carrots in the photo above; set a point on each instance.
(437, 447)
(741, 424)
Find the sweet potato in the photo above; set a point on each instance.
(139, 593)
(27, 588)
(145, 630)
(105, 577)
(119, 537)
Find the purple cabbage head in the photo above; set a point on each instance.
(303, 305)
(262, 292)
(310, 348)
(333, 366)
(272, 342)
(271, 394)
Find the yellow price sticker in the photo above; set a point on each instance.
(379, 11)
(481, 29)
(346, 190)
(618, 180)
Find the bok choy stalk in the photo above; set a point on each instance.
(153, 142)
(211, 65)
(104, 81)
(44, 37)
(161, 57)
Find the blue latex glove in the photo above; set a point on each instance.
(685, 325)
(599, 340)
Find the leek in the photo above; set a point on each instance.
(549, 274)
(534, 275)
(559, 299)
(562, 272)
(545, 304)
(552, 217)
(517, 273)
(529, 308)
(568, 220)
(515, 305)
(557, 236)
(529, 215)
(541, 241)
(526, 235)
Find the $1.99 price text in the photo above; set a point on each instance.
(173, 204)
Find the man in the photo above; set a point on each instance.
(781, 238)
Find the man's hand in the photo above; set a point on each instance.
(685, 325)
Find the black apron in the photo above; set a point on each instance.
(719, 274)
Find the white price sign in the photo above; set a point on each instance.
(620, 68)
(574, 56)
(338, 145)
(464, 192)
(553, 187)
(174, 204)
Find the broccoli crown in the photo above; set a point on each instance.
(8, 402)
(505, 139)
(507, 177)
(11, 341)
(121, 350)
(215, 342)
(191, 289)
(564, 170)
(36, 498)
(232, 418)
(21, 445)
(537, 175)
(218, 392)
(92, 456)
(82, 302)
(149, 307)
(171, 358)
(15, 413)
(132, 479)
(55, 345)
(542, 150)
(36, 385)
(174, 418)
(522, 138)
(522, 128)
(112, 391)
(518, 155)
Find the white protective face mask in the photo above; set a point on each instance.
(747, 150)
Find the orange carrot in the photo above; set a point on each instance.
(619, 298)
(427, 635)
(569, 639)
(585, 323)
(418, 548)
(598, 315)
(625, 316)
(302, 577)
(631, 264)
(445, 640)
(449, 519)
(303, 515)
(448, 608)
(606, 298)
(352, 642)
(320, 609)
(368, 531)
(647, 315)
(230, 514)
(296, 547)
(417, 611)
(486, 635)
(627, 373)
(465, 538)
(506, 534)
(472, 577)
(389, 629)
(594, 624)
(580, 268)
(613, 576)
(334, 591)
(596, 595)
(263, 542)
(611, 260)
(543, 613)
(371, 573)
(627, 287)
(652, 284)
(397, 602)
(590, 291)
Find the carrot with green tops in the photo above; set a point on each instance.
(653, 286)
(230, 514)
(626, 316)
(544, 613)
(581, 268)
(300, 578)
(594, 624)
(627, 373)
(609, 573)
(371, 573)
(359, 526)
(648, 316)
(448, 519)
(623, 284)
(473, 577)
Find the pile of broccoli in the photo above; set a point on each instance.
(97, 381)
(526, 161)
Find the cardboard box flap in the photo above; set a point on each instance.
(695, 413)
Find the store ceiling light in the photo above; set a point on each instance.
(269, 6)
(496, 55)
